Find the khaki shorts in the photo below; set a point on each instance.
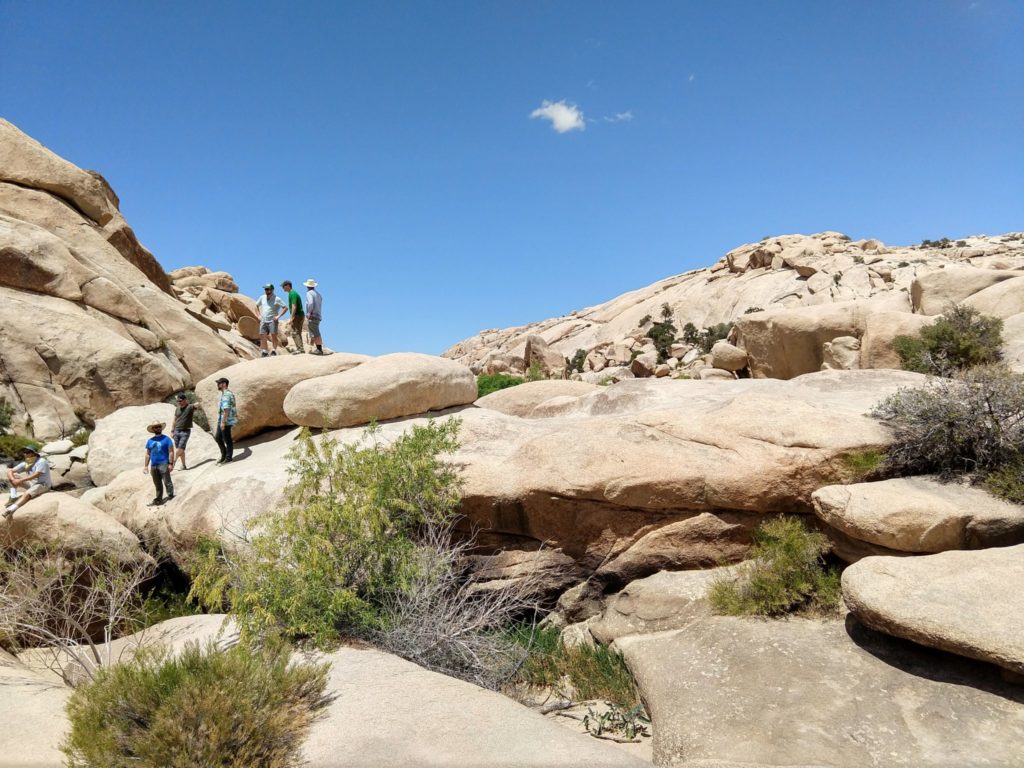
(313, 324)
(35, 489)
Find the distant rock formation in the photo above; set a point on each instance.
(89, 320)
(788, 296)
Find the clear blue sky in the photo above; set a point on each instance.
(388, 149)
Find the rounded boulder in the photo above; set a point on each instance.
(387, 387)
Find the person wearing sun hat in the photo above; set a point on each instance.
(32, 474)
(159, 462)
(314, 308)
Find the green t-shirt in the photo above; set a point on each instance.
(296, 302)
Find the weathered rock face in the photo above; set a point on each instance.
(729, 691)
(542, 575)
(387, 387)
(782, 273)
(967, 603)
(104, 330)
(532, 399)
(261, 386)
(32, 709)
(537, 353)
(469, 727)
(920, 514)
(118, 442)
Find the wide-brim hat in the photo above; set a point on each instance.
(29, 449)
(155, 426)
(311, 283)
(268, 286)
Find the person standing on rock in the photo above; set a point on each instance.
(314, 308)
(227, 417)
(159, 462)
(182, 426)
(32, 475)
(297, 316)
(271, 310)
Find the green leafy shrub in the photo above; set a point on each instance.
(594, 672)
(535, 372)
(863, 465)
(1007, 482)
(786, 574)
(944, 242)
(80, 437)
(663, 333)
(236, 708)
(12, 445)
(644, 321)
(347, 541)
(961, 243)
(6, 414)
(712, 334)
(973, 422)
(962, 338)
(492, 382)
(575, 363)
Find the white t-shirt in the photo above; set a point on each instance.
(42, 466)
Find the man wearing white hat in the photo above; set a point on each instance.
(314, 306)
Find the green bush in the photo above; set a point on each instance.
(663, 333)
(962, 338)
(575, 363)
(81, 437)
(492, 382)
(12, 445)
(594, 672)
(236, 708)
(973, 422)
(347, 541)
(535, 372)
(6, 414)
(1007, 482)
(863, 465)
(786, 574)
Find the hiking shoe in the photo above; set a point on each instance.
(263, 354)
(155, 502)
(169, 498)
(274, 353)
(298, 351)
(317, 352)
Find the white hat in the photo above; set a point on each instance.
(311, 283)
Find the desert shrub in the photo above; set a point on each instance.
(858, 259)
(65, 603)
(752, 310)
(973, 422)
(962, 338)
(961, 243)
(81, 437)
(903, 264)
(575, 363)
(12, 445)
(492, 382)
(863, 465)
(6, 414)
(236, 708)
(644, 321)
(593, 672)
(944, 242)
(535, 372)
(1007, 482)
(691, 335)
(786, 574)
(347, 541)
(712, 334)
(663, 333)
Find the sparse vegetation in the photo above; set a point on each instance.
(706, 338)
(786, 574)
(962, 338)
(12, 445)
(234, 708)
(6, 414)
(575, 363)
(492, 382)
(535, 372)
(944, 242)
(863, 465)
(972, 423)
(1007, 481)
(752, 310)
(961, 243)
(592, 672)
(81, 437)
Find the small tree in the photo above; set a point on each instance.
(962, 338)
(663, 333)
(575, 363)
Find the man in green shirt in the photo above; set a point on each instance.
(298, 317)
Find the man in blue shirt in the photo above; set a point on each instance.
(159, 462)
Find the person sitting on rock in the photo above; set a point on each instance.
(271, 309)
(297, 316)
(227, 417)
(314, 309)
(32, 475)
(182, 426)
(159, 462)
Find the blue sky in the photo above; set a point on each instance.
(388, 150)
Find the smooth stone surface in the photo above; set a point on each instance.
(32, 717)
(387, 387)
(967, 603)
(524, 399)
(920, 514)
(806, 693)
(389, 713)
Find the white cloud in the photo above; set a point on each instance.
(564, 117)
(620, 117)
(691, 78)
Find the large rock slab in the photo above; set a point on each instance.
(387, 387)
(731, 691)
(528, 399)
(261, 386)
(59, 520)
(968, 603)
(933, 292)
(119, 440)
(32, 711)
(389, 713)
(106, 330)
(920, 514)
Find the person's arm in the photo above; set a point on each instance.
(145, 464)
(283, 306)
(170, 456)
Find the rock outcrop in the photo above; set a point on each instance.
(32, 710)
(731, 691)
(106, 330)
(780, 293)
(967, 603)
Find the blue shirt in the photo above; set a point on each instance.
(227, 402)
(159, 448)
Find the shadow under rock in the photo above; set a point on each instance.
(931, 663)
